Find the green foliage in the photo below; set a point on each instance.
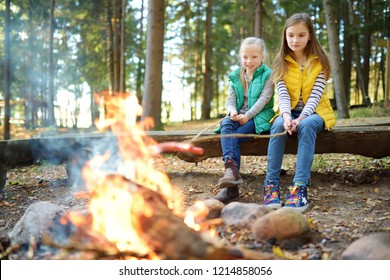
(80, 42)
(320, 163)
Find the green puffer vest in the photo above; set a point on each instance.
(260, 76)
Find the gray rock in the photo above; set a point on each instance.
(372, 247)
(281, 224)
(242, 214)
(35, 222)
(205, 210)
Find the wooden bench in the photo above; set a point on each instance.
(369, 141)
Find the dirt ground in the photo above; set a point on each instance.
(349, 196)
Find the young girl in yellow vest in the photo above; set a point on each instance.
(300, 72)
(249, 108)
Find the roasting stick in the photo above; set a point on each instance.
(198, 138)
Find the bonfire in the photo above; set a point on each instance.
(133, 210)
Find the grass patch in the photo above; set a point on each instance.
(341, 162)
(374, 111)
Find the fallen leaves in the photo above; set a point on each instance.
(6, 203)
(342, 208)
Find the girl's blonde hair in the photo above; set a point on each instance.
(251, 41)
(313, 47)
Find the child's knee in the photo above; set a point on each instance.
(278, 125)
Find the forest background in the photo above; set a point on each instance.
(173, 55)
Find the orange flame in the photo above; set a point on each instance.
(111, 200)
(199, 212)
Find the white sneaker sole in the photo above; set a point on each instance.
(273, 206)
(298, 209)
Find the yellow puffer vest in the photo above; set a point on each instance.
(297, 81)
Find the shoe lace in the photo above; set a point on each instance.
(271, 193)
(293, 195)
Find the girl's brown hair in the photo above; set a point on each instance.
(313, 47)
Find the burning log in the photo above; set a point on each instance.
(163, 233)
(166, 234)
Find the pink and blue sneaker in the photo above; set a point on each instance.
(297, 197)
(272, 197)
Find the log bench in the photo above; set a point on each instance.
(370, 141)
(373, 141)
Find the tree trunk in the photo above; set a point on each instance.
(29, 115)
(259, 19)
(50, 104)
(359, 73)
(347, 51)
(115, 25)
(187, 35)
(140, 54)
(359, 66)
(7, 70)
(115, 44)
(216, 91)
(94, 109)
(342, 106)
(115, 12)
(367, 50)
(377, 71)
(109, 44)
(387, 85)
(197, 62)
(122, 67)
(207, 83)
(151, 101)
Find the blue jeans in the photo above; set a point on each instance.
(307, 135)
(231, 146)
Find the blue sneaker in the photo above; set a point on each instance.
(297, 197)
(272, 197)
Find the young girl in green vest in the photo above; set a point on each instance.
(249, 108)
(300, 72)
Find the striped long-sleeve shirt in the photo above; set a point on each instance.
(312, 102)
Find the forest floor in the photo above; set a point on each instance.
(349, 196)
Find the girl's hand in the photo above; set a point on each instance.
(243, 119)
(296, 122)
(233, 116)
(288, 123)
